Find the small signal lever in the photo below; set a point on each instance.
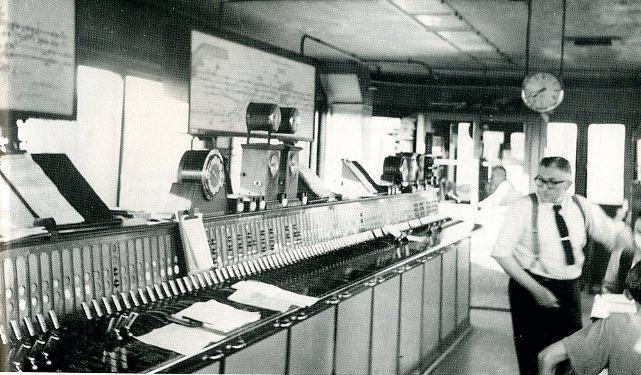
(19, 355)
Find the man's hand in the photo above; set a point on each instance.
(550, 357)
(545, 298)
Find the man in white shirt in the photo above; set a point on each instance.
(502, 192)
(540, 246)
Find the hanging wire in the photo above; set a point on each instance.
(527, 37)
(562, 39)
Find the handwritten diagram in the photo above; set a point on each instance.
(226, 76)
(37, 57)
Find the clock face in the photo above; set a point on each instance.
(542, 92)
(213, 175)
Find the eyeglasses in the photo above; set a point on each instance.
(540, 181)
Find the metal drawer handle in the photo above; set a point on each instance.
(345, 295)
(333, 301)
(285, 323)
(370, 283)
(301, 316)
(216, 356)
(239, 344)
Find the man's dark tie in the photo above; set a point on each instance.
(563, 232)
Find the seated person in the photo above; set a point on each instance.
(622, 260)
(613, 343)
(501, 191)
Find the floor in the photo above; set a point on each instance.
(489, 348)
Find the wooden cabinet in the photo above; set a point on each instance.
(410, 323)
(385, 318)
(264, 357)
(463, 283)
(398, 326)
(311, 348)
(431, 324)
(214, 368)
(448, 293)
(353, 328)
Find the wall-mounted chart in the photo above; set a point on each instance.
(37, 56)
(227, 76)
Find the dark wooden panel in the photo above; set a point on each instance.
(264, 357)
(410, 327)
(385, 315)
(448, 306)
(353, 334)
(311, 348)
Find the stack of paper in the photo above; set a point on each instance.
(267, 296)
(180, 339)
(217, 316)
(195, 245)
(605, 304)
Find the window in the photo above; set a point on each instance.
(155, 137)
(606, 146)
(92, 142)
(561, 141)
(342, 140)
(466, 166)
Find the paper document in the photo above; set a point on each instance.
(267, 296)
(195, 244)
(218, 316)
(40, 193)
(180, 339)
(605, 304)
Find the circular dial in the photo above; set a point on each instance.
(542, 92)
(274, 164)
(293, 163)
(213, 175)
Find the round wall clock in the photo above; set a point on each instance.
(542, 92)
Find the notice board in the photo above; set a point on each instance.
(226, 76)
(37, 56)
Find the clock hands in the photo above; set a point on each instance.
(538, 92)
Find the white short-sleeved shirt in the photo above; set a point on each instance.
(504, 195)
(515, 236)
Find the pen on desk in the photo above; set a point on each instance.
(201, 324)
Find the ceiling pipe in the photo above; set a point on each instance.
(349, 54)
(408, 61)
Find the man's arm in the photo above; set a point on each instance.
(541, 294)
(614, 234)
(550, 357)
(496, 197)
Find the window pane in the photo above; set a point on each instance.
(606, 143)
(561, 141)
(92, 142)
(155, 137)
(342, 140)
(467, 168)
